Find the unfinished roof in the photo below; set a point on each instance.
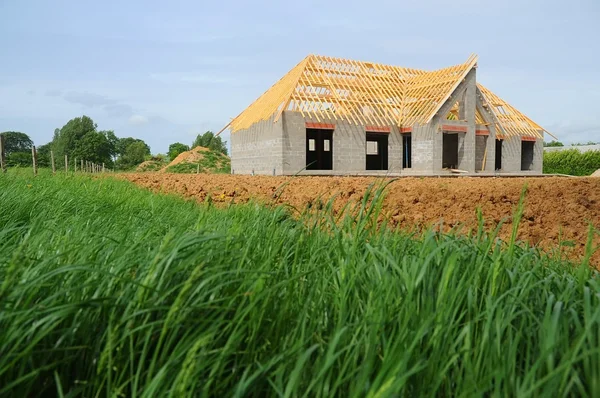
(511, 121)
(367, 93)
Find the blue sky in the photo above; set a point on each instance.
(165, 71)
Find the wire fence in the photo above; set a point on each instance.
(71, 165)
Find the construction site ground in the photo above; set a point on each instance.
(556, 209)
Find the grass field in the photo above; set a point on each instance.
(110, 290)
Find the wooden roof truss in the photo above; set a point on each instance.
(508, 119)
(367, 93)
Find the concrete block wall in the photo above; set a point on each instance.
(480, 146)
(349, 146)
(294, 142)
(468, 104)
(538, 156)
(490, 158)
(424, 140)
(395, 151)
(258, 149)
(511, 155)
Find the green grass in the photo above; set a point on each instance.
(571, 161)
(211, 162)
(109, 290)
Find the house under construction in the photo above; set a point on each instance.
(332, 116)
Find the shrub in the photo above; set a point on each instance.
(571, 162)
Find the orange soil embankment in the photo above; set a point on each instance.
(555, 208)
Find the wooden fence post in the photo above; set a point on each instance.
(75, 165)
(2, 155)
(81, 168)
(52, 161)
(34, 160)
(66, 164)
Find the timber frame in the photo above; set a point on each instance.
(367, 93)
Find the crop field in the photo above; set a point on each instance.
(557, 215)
(109, 289)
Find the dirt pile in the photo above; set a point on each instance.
(149, 165)
(556, 209)
(199, 159)
(192, 156)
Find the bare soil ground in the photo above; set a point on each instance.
(556, 209)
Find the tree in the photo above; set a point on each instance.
(209, 140)
(66, 139)
(553, 143)
(124, 143)
(134, 154)
(113, 141)
(43, 155)
(16, 142)
(177, 148)
(93, 147)
(17, 148)
(20, 159)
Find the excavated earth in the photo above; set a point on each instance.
(557, 209)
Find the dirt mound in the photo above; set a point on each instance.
(556, 209)
(149, 165)
(199, 159)
(596, 173)
(192, 156)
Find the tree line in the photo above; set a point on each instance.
(80, 138)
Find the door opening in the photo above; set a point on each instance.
(319, 149)
(450, 151)
(377, 151)
(527, 155)
(499, 154)
(407, 151)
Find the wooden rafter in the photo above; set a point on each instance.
(511, 121)
(367, 93)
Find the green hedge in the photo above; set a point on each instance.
(571, 162)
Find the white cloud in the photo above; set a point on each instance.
(137, 120)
